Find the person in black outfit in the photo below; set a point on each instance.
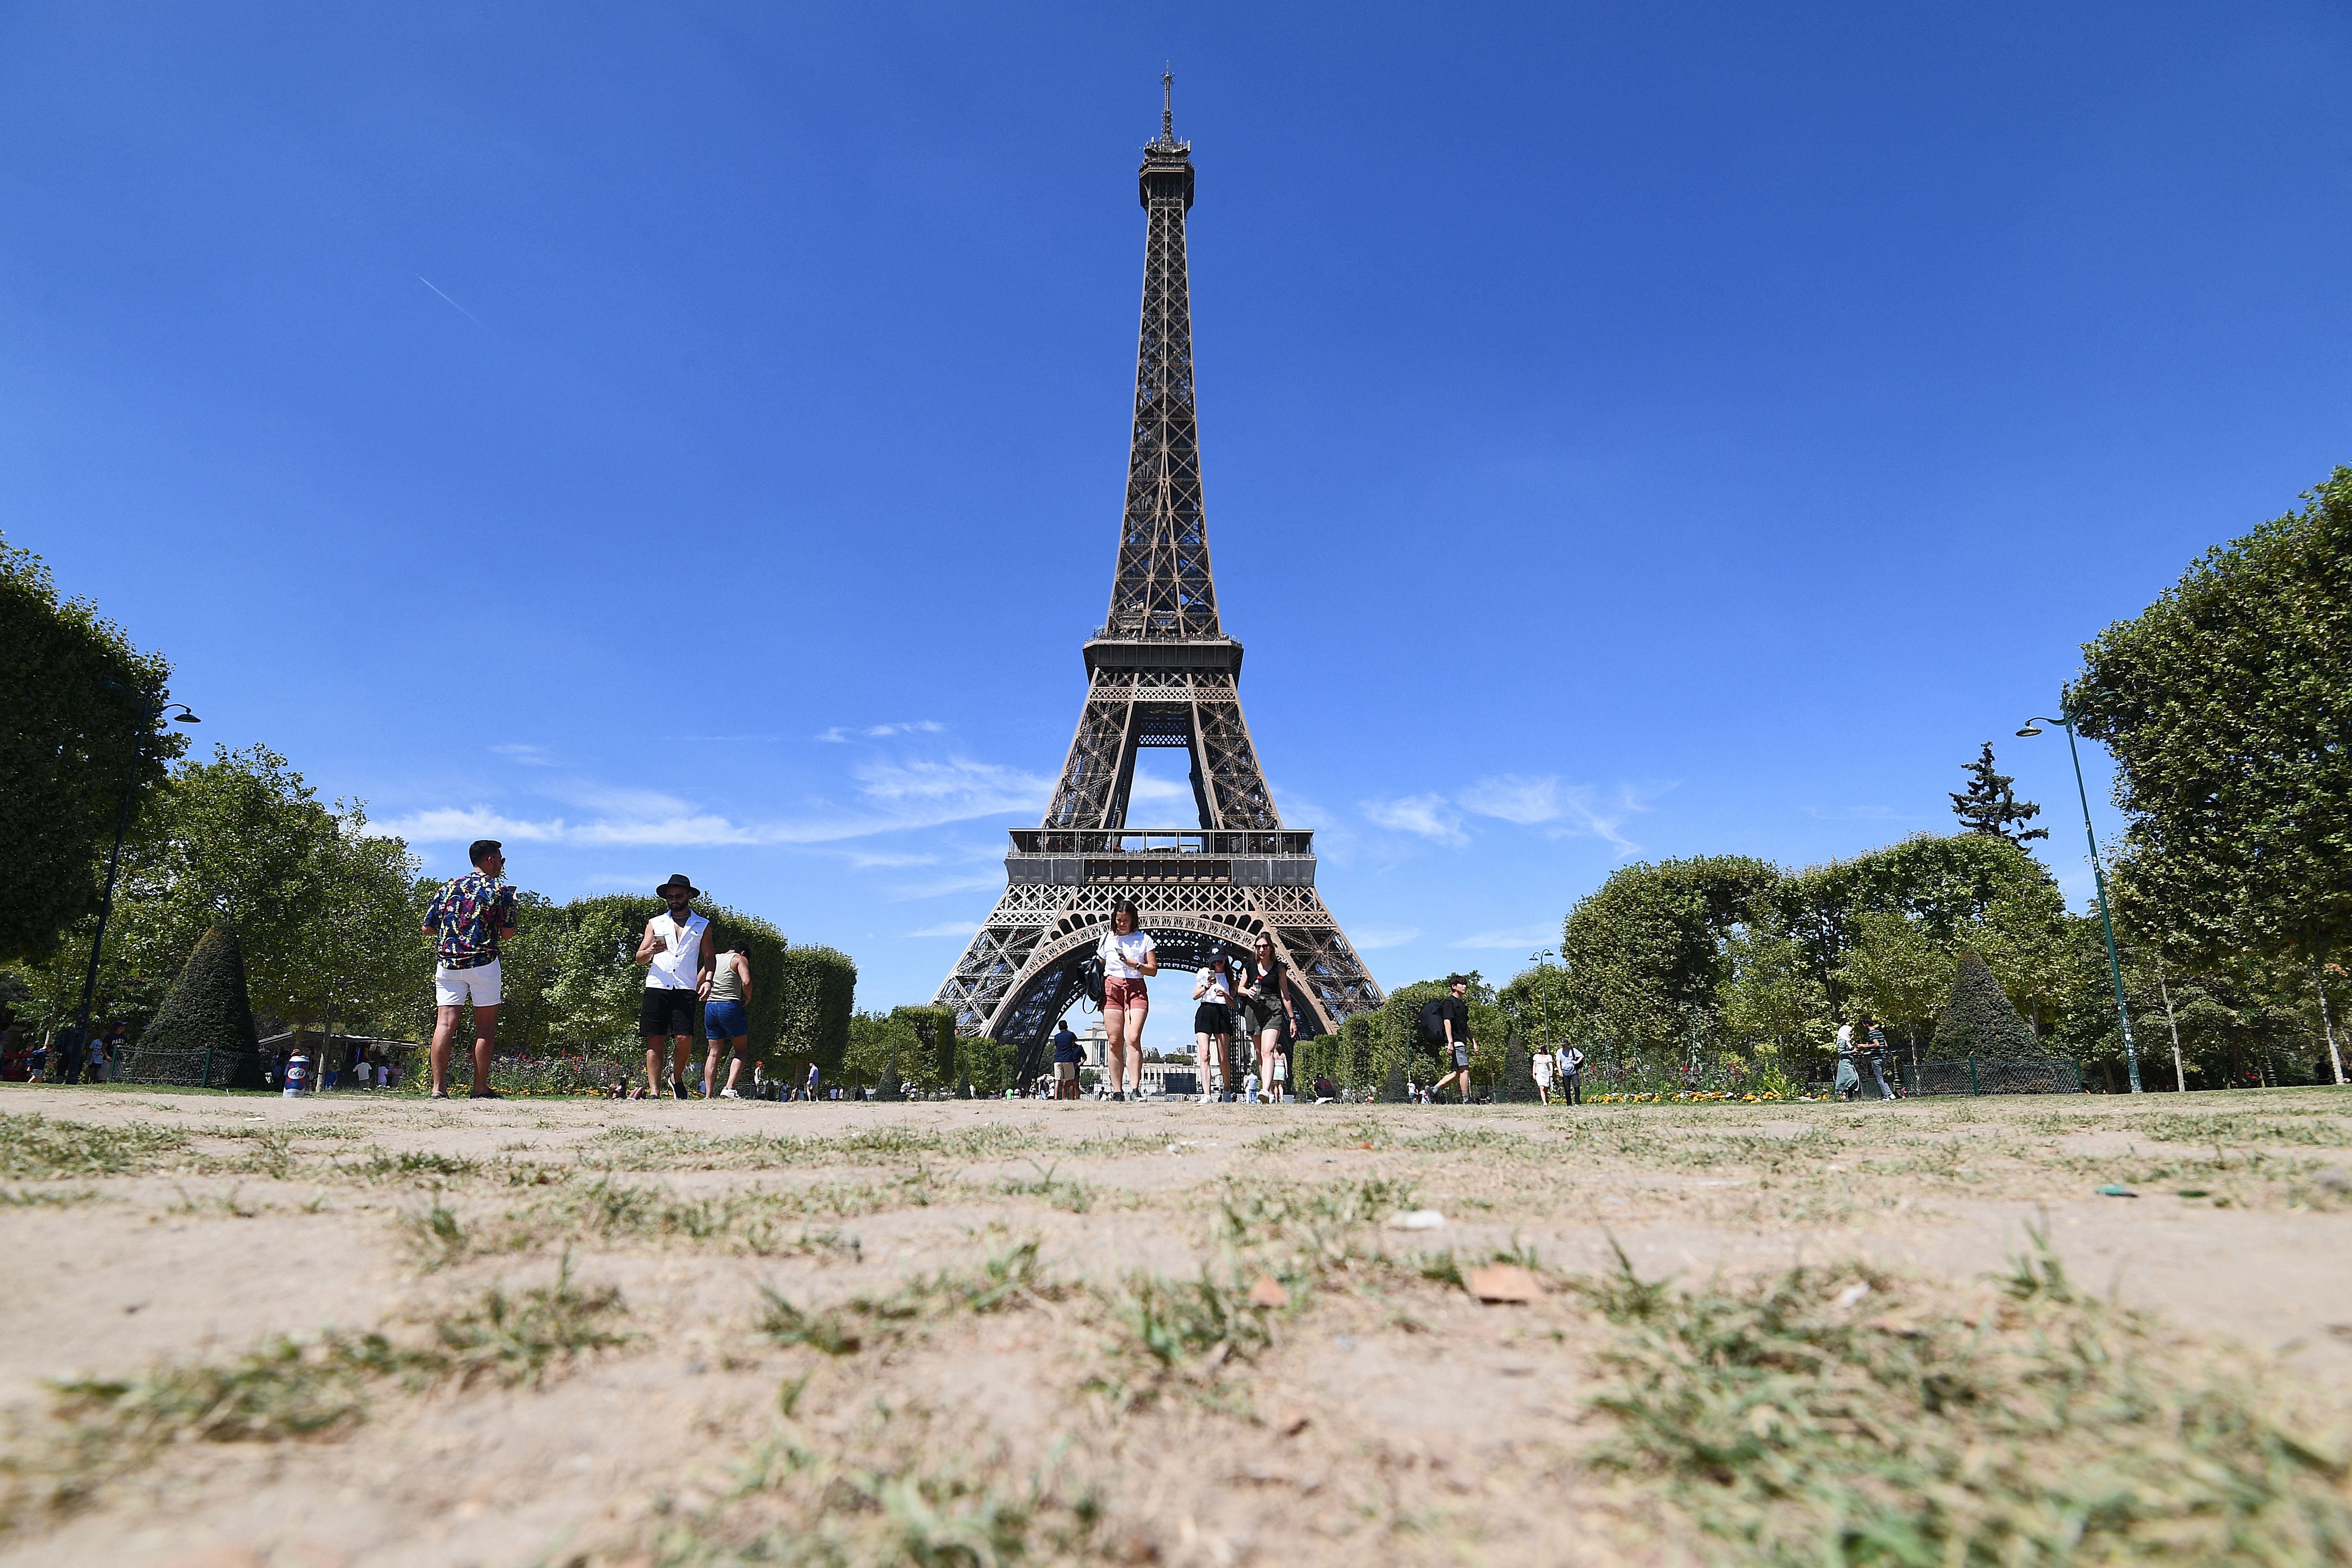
(1454, 1014)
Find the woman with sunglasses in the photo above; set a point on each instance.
(1265, 1003)
(1127, 959)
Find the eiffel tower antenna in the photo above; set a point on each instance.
(1160, 672)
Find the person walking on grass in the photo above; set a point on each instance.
(1265, 1003)
(1568, 1063)
(1543, 1067)
(1848, 1082)
(727, 1013)
(466, 920)
(1454, 1018)
(1128, 957)
(677, 959)
(1068, 1056)
(1213, 1023)
(1873, 1045)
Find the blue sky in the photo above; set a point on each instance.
(690, 438)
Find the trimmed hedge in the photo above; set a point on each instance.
(206, 1017)
(1978, 1020)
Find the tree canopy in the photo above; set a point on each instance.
(2227, 710)
(80, 706)
(1990, 804)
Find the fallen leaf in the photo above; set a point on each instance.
(1268, 1292)
(1293, 1424)
(1504, 1282)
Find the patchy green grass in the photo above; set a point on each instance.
(36, 1148)
(762, 1223)
(1068, 1192)
(1005, 1279)
(1840, 1416)
(48, 1197)
(1299, 1232)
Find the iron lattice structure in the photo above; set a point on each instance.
(1159, 672)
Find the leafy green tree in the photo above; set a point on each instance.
(815, 997)
(2227, 709)
(1947, 883)
(2029, 942)
(1773, 1003)
(1897, 970)
(1977, 1019)
(82, 722)
(204, 1031)
(1990, 806)
(1645, 952)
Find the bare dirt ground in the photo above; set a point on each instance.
(371, 1330)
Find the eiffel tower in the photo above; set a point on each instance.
(1160, 672)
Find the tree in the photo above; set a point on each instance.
(1988, 806)
(1646, 951)
(815, 998)
(1773, 1001)
(2227, 710)
(1897, 970)
(204, 1028)
(1977, 1020)
(82, 722)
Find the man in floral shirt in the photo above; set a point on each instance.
(466, 919)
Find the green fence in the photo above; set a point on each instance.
(1990, 1075)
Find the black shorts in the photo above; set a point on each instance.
(1213, 1018)
(666, 1012)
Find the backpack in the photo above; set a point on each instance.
(1090, 976)
(1432, 1030)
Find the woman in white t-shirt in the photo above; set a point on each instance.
(1127, 959)
(1213, 1025)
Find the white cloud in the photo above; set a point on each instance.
(1371, 939)
(838, 733)
(896, 797)
(949, 928)
(528, 755)
(1514, 799)
(1524, 938)
(1427, 815)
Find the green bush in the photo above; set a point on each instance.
(1977, 1020)
(818, 990)
(208, 1017)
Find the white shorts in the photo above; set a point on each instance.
(453, 987)
(1543, 1071)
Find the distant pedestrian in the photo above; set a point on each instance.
(117, 1050)
(1872, 1043)
(1569, 1063)
(1265, 1000)
(1454, 1019)
(726, 1013)
(1848, 1082)
(93, 1059)
(1213, 1023)
(808, 1091)
(467, 918)
(1249, 1087)
(1542, 1066)
(677, 960)
(1067, 1057)
(1128, 957)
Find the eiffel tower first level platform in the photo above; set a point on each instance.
(1160, 672)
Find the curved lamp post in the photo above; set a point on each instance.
(153, 711)
(2106, 920)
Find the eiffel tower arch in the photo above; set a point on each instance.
(1160, 672)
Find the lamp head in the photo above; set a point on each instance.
(2030, 730)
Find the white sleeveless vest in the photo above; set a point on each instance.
(678, 966)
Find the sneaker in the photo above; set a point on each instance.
(486, 1094)
(729, 1094)
(677, 1087)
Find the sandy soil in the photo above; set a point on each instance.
(1389, 1413)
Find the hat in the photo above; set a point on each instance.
(678, 879)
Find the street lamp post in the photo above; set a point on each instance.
(2106, 919)
(1543, 958)
(114, 861)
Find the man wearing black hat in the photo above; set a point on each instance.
(677, 966)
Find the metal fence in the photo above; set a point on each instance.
(1991, 1074)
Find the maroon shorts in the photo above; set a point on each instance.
(1125, 997)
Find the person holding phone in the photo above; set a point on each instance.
(1265, 1002)
(1128, 957)
(1213, 1023)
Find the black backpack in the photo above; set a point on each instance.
(1432, 1021)
(1090, 976)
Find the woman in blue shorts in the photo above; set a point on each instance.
(727, 1013)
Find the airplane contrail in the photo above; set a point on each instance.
(453, 304)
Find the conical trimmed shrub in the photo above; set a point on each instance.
(207, 1011)
(1977, 1020)
(1519, 1085)
(1393, 1091)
